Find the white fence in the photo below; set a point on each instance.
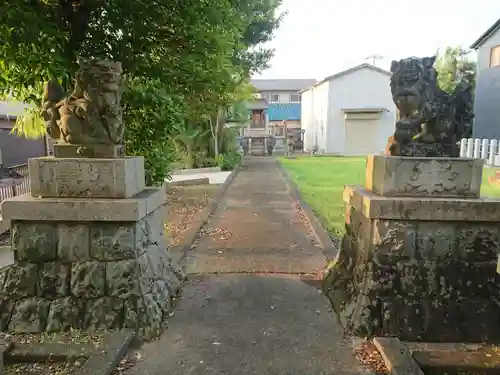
(486, 149)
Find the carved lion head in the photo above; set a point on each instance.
(411, 82)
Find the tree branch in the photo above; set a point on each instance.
(76, 15)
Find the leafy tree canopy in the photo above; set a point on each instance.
(454, 65)
(193, 45)
(183, 60)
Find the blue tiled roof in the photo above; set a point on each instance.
(283, 111)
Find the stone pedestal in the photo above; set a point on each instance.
(86, 177)
(419, 256)
(89, 249)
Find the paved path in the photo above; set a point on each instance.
(247, 309)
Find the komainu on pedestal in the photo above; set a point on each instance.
(88, 240)
(89, 121)
(431, 122)
(419, 256)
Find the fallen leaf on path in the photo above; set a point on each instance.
(221, 232)
(369, 356)
(184, 208)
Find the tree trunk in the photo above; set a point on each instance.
(216, 146)
(214, 129)
(189, 157)
(216, 136)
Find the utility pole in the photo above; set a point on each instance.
(374, 58)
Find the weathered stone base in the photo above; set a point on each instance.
(396, 176)
(416, 273)
(88, 275)
(86, 177)
(428, 150)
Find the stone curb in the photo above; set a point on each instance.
(197, 170)
(194, 181)
(100, 361)
(104, 363)
(57, 352)
(396, 356)
(193, 233)
(413, 358)
(329, 250)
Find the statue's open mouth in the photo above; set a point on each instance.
(408, 103)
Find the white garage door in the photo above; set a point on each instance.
(361, 136)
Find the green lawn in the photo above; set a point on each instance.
(321, 182)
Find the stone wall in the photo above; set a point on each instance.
(88, 263)
(89, 275)
(418, 275)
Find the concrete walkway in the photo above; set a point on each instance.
(246, 308)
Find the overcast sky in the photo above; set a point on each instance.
(323, 37)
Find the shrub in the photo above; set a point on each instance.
(150, 112)
(229, 161)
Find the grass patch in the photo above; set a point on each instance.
(487, 189)
(321, 182)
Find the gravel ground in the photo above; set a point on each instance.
(185, 205)
(56, 368)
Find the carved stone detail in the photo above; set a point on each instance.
(91, 115)
(431, 122)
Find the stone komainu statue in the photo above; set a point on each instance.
(431, 122)
(91, 114)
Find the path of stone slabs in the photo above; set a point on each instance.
(72, 353)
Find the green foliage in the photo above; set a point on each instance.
(30, 125)
(261, 22)
(184, 60)
(454, 65)
(228, 140)
(185, 137)
(238, 113)
(203, 160)
(228, 161)
(151, 112)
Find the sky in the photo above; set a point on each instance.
(322, 37)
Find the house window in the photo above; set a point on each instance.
(274, 98)
(495, 56)
(295, 98)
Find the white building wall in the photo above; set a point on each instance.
(321, 102)
(314, 116)
(484, 51)
(363, 88)
(306, 119)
